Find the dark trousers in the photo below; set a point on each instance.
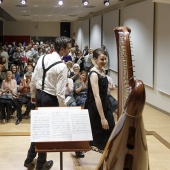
(42, 100)
(19, 102)
(5, 108)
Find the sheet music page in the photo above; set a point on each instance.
(56, 124)
(40, 126)
(81, 128)
(56, 108)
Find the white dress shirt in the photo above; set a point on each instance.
(55, 80)
(69, 87)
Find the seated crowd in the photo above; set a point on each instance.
(16, 66)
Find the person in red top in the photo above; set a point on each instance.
(24, 98)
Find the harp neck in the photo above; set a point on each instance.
(125, 67)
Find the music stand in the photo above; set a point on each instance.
(62, 147)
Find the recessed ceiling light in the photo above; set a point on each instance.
(60, 2)
(23, 2)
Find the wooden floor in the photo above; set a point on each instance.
(14, 148)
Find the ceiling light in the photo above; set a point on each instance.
(106, 2)
(85, 2)
(1, 1)
(23, 2)
(60, 2)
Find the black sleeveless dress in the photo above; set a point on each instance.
(100, 135)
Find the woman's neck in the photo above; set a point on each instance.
(99, 69)
(8, 80)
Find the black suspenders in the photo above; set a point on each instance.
(45, 70)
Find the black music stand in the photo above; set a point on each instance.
(62, 147)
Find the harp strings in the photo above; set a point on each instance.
(126, 88)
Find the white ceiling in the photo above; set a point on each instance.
(49, 10)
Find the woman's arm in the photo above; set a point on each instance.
(78, 87)
(14, 87)
(95, 89)
(21, 85)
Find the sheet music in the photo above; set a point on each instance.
(60, 124)
(54, 108)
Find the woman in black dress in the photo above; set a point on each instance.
(101, 117)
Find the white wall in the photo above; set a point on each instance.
(85, 33)
(95, 32)
(51, 29)
(110, 21)
(162, 48)
(141, 25)
(79, 34)
(154, 96)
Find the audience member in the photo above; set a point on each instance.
(80, 89)
(69, 68)
(75, 74)
(72, 54)
(23, 98)
(67, 58)
(86, 50)
(88, 60)
(17, 58)
(15, 73)
(8, 91)
(2, 74)
(4, 54)
(113, 102)
(70, 100)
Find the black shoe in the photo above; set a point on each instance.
(79, 154)
(29, 162)
(47, 165)
(18, 121)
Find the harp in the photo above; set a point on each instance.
(126, 148)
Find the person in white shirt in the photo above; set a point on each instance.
(47, 89)
(69, 93)
(5, 54)
(88, 60)
(28, 52)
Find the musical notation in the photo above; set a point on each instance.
(60, 124)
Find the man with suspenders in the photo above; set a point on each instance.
(48, 90)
